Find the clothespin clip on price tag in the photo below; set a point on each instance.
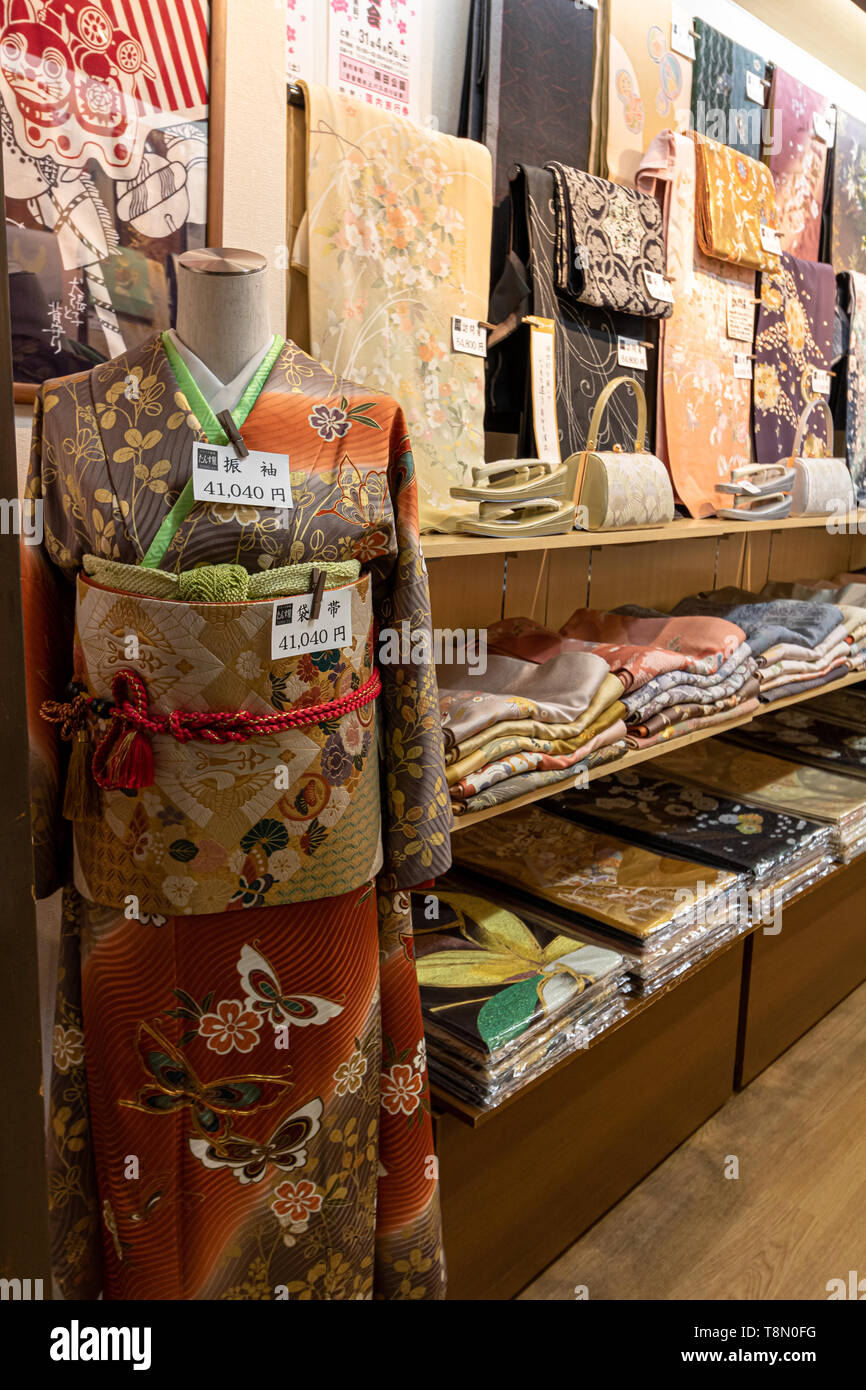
(226, 419)
(317, 580)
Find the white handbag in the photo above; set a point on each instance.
(822, 486)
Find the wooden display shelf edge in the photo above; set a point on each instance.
(443, 547)
(474, 1115)
(641, 755)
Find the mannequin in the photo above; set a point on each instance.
(222, 309)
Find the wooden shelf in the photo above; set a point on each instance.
(642, 755)
(443, 547)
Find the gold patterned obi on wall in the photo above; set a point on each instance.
(233, 816)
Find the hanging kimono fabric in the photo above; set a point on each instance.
(399, 244)
(645, 87)
(703, 408)
(726, 81)
(586, 336)
(850, 402)
(793, 336)
(797, 157)
(230, 1010)
(527, 90)
(844, 242)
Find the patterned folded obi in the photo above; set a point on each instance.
(735, 199)
(260, 781)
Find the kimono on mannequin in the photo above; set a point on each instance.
(191, 1157)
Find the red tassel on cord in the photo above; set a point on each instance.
(130, 762)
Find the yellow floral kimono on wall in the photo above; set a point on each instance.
(260, 1173)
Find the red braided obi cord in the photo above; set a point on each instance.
(123, 758)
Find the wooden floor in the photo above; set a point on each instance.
(794, 1219)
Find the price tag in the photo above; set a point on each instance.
(467, 335)
(742, 366)
(293, 633)
(259, 480)
(542, 351)
(658, 286)
(820, 381)
(741, 316)
(586, 4)
(755, 90)
(682, 41)
(631, 353)
(770, 240)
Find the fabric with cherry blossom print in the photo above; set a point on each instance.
(793, 337)
(399, 244)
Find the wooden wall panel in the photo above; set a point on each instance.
(466, 592)
(795, 978)
(653, 575)
(568, 584)
(812, 554)
(526, 581)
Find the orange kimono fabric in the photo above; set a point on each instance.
(264, 1066)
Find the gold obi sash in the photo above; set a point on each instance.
(229, 816)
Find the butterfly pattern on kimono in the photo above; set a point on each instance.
(264, 995)
(248, 1159)
(175, 1086)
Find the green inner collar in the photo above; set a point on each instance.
(212, 430)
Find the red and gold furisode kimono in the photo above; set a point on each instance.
(240, 1106)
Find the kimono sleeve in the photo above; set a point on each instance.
(47, 601)
(417, 831)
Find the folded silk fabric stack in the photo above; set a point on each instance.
(503, 997)
(661, 912)
(798, 646)
(519, 725)
(787, 786)
(780, 854)
(812, 734)
(681, 674)
(850, 599)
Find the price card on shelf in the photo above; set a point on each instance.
(295, 633)
(824, 126)
(259, 480)
(741, 315)
(631, 353)
(542, 351)
(770, 240)
(682, 39)
(467, 335)
(742, 366)
(658, 286)
(755, 89)
(820, 381)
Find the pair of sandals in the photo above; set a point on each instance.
(760, 492)
(522, 497)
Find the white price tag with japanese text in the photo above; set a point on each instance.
(658, 286)
(631, 353)
(820, 381)
(741, 315)
(755, 90)
(682, 39)
(259, 480)
(742, 366)
(295, 633)
(770, 240)
(467, 335)
(542, 351)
